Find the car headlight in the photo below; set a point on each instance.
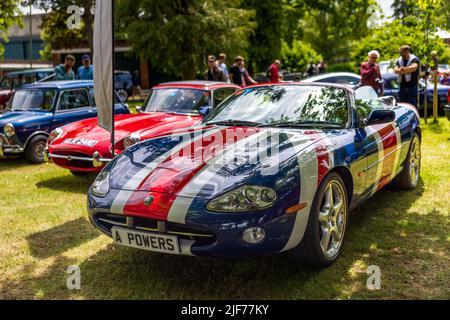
(244, 199)
(9, 130)
(55, 134)
(131, 140)
(100, 187)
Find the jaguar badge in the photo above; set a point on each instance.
(148, 200)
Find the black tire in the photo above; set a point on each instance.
(79, 173)
(407, 180)
(35, 148)
(309, 251)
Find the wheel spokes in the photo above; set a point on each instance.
(325, 241)
(332, 217)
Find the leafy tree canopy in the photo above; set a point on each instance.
(388, 39)
(9, 14)
(178, 35)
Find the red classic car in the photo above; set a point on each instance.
(84, 147)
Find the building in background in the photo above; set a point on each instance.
(17, 49)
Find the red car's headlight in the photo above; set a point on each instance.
(131, 140)
(55, 134)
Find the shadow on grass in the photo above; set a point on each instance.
(68, 183)
(55, 241)
(435, 127)
(12, 163)
(124, 273)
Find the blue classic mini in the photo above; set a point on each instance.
(35, 110)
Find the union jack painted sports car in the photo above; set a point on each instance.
(83, 146)
(276, 168)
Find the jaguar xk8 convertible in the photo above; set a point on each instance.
(276, 168)
(85, 147)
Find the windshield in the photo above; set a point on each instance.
(289, 104)
(33, 100)
(183, 101)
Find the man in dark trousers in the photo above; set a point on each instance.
(408, 69)
(370, 73)
(214, 73)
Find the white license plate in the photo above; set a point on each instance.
(145, 240)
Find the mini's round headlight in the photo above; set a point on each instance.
(131, 140)
(9, 130)
(100, 187)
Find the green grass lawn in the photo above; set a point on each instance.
(44, 229)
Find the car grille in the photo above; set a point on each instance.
(75, 163)
(107, 220)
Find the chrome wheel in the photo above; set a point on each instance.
(414, 162)
(332, 218)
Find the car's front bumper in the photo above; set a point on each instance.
(204, 233)
(77, 162)
(9, 147)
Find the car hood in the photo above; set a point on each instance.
(147, 125)
(206, 161)
(20, 118)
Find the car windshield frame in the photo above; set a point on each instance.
(20, 91)
(212, 117)
(157, 108)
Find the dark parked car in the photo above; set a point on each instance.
(347, 78)
(392, 88)
(123, 83)
(17, 79)
(36, 110)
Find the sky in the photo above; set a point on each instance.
(386, 7)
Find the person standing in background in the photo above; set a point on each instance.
(311, 69)
(248, 80)
(322, 67)
(445, 79)
(86, 71)
(236, 75)
(408, 69)
(274, 72)
(136, 85)
(222, 65)
(214, 73)
(370, 73)
(65, 71)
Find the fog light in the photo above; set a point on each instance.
(254, 235)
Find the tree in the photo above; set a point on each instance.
(403, 9)
(56, 34)
(297, 55)
(9, 14)
(178, 35)
(388, 39)
(331, 27)
(265, 42)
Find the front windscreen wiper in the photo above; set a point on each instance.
(234, 123)
(298, 124)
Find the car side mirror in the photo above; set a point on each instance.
(139, 109)
(204, 111)
(379, 116)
